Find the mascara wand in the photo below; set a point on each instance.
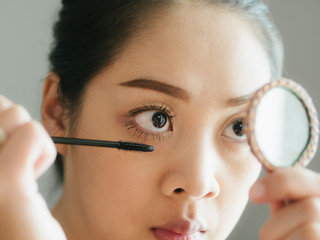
(129, 146)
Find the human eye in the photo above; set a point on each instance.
(150, 121)
(236, 131)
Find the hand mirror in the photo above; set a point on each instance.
(282, 125)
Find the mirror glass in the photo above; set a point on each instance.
(281, 127)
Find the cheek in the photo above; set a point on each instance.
(239, 164)
(112, 183)
(235, 180)
(240, 171)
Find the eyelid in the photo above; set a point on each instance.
(234, 117)
(152, 106)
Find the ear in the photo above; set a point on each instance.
(52, 112)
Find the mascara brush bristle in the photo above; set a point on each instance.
(135, 147)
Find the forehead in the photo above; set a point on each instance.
(205, 50)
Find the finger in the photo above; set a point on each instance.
(48, 155)
(5, 103)
(28, 150)
(309, 231)
(13, 117)
(284, 184)
(290, 218)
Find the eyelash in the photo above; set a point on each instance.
(131, 124)
(168, 111)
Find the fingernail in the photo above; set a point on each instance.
(257, 191)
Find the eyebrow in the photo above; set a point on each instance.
(238, 101)
(179, 92)
(158, 86)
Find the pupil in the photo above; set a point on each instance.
(159, 120)
(238, 128)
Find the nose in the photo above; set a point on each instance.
(192, 171)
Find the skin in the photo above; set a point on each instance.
(112, 194)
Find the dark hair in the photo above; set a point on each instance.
(90, 34)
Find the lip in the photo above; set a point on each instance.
(179, 229)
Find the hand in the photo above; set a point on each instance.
(294, 199)
(25, 154)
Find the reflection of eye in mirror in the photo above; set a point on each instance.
(283, 126)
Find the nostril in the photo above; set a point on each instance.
(178, 190)
(211, 195)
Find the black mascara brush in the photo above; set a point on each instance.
(129, 146)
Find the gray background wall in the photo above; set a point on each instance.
(25, 37)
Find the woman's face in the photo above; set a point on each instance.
(181, 86)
